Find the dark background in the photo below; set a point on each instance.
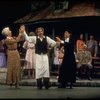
(12, 10)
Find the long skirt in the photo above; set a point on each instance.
(13, 67)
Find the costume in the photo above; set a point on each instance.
(42, 61)
(67, 72)
(13, 60)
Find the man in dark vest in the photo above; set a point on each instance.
(42, 62)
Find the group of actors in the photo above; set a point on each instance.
(37, 45)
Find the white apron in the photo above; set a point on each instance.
(42, 66)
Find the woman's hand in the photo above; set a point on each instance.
(22, 29)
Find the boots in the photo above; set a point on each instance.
(46, 83)
(62, 85)
(39, 83)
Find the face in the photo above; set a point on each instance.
(40, 32)
(81, 36)
(91, 37)
(66, 34)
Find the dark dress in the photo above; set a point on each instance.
(67, 72)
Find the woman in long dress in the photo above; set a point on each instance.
(30, 57)
(13, 58)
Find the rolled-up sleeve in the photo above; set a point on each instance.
(30, 38)
(51, 42)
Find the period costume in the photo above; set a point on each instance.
(13, 60)
(67, 72)
(56, 61)
(42, 61)
(84, 58)
(30, 54)
(30, 57)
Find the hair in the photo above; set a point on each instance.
(31, 34)
(5, 31)
(36, 31)
(68, 30)
(22, 25)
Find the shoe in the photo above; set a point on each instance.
(39, 83)
(61, 86)
(47, 87)
(39, 87)
(46, 83)
(11, 85)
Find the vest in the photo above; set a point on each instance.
(41, 46)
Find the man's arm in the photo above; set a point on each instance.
(29, 38)
(51, 42)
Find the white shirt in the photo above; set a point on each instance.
(50, 41)
(66, 40)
